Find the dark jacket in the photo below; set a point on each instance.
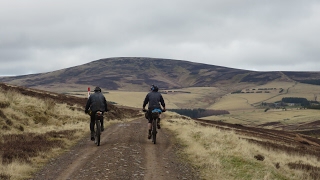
(97, 102)
(154, 98)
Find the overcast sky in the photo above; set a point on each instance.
(265, 35)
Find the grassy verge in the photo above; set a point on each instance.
(34, 130)
(220, 154)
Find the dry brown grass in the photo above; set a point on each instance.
(15, 170)
(37, 128)
(38, 115)
(33, 130)
(220, 154)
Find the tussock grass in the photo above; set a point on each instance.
(4, 104)
(15, 170)
(29, 114)
(34, 130)
(220, 154)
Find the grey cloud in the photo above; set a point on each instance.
(249, 34)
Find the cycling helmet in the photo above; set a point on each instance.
(97, 89)
(154, 88)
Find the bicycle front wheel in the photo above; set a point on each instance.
(154, 131)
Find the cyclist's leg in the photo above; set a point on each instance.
(92, 122)
(158, 122)
(102, 127)
(149, 130)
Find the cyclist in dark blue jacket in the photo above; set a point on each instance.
(96, 102)
(154, 98)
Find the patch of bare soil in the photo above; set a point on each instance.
(124, 153)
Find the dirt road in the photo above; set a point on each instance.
(124, 153)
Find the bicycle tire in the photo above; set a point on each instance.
(97, 132)
(154, 131)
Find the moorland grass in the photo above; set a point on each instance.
(34, 130)
(225, 155)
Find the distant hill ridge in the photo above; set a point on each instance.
(132, 73)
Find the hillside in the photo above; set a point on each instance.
(37, 126)
(136, 74)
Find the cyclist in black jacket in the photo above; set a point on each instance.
(96, 102)
(154, 98)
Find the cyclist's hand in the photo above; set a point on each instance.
(86, 111)
(144, 110)
(164, 109)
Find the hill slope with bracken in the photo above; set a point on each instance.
(134, 73)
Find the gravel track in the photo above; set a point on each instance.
(124, 153)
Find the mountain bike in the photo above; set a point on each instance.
(155, 114)
(97, 127)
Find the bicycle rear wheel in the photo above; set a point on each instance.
(97, 132)
(154, 131)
